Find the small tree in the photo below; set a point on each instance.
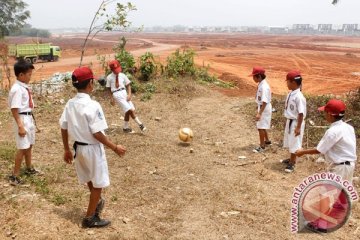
(12, 16)
(147, 66)
(102, 21)
(125, 58)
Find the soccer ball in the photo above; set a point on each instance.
(186, 134)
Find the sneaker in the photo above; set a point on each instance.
(142, 127)
(289, 168)
(94, 222)
(268, 142)
(127, 130)
(259, 150)
(14, 181)
(31, 171)
(285, 161)
(100, 207)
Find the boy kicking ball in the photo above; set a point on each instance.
(119, 88)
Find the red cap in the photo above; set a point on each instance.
(335, 107)
(293, 75)
(257, 70)
(82, 74)
(115, 66)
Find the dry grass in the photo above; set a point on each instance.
(160, 190)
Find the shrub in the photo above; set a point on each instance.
(181, 63)
(147, 66)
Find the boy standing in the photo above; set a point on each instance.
(84, 120)
(264, 109)
(295, 113)
(21, 104)
(339, 142)
(119, 87)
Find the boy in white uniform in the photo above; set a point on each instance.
(21, 104)
(264, 109)
(83, 119)
(295, 113)
(339, 142)
(120, 89)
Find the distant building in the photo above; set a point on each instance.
(324, 27)
(302, 27)
(278, 30)
(349, 27)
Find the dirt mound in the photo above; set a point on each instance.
(242, 86)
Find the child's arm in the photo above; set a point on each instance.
(128, 89)
(109, 94)
(258, 115)
(68, 157)
(300, 153)
(299, 122)
(15, 113)
(118, 149)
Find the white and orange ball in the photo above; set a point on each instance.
(186, 134)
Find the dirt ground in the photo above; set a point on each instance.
(159, 190)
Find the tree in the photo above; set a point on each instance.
(12, 16)
(335, 2)
(102, 21)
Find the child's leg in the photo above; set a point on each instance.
(28, 154)
(95, 194)
(262, 133)
(136, 119)
(292, 159)
(18, 159)
(266, 136)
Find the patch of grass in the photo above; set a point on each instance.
(59, 199)
(41, 185)
(7, 151)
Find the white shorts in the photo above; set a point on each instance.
(265, 120)
(120, 98)
(91, 165)
(290, 141)
(345, 171)
(29, 139)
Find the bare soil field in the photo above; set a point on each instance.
(159, 189)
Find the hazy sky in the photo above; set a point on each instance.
(79, 13)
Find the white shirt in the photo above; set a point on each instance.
(263, 93)
(295, 104)
(19, 97)
(111, 80)
(339, 143)
(82, 117)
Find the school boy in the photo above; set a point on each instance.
(83, 119)
(119, 88)
(339, 142)
(264, 108)
(295, 114)
(21, 104)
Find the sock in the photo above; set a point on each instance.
(138, 121)
(126, 124)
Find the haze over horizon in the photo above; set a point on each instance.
(53, 14)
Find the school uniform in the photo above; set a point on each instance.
(20, 97)
(263, 94)
(119, 93)
(294, 105)
(83, 117)
(339, 148)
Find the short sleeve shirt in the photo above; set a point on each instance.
(339, 143)
(111, 81)
(295, 104)
(83, 117)
(19, 97)
(263, 93)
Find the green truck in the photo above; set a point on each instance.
(34, 52)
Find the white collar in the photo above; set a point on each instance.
(22, 84)
(339, 122)
(82, 95)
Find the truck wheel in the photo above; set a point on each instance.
(34, 60)
(56, 58)
(28, 60)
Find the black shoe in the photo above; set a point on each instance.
(315, 229)
(14, 181)
(127, 130)
(285, 161)
(99, 207)
(31, 171)
(94, 222)
(289, 168)
(259, 150)
(142, 127)
(268, 142)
